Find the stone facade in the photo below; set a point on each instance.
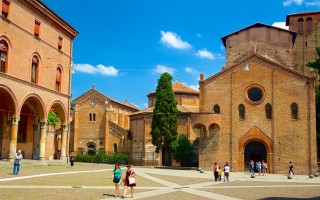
(100, 124)
(35, 45)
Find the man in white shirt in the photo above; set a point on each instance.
(226, 170)
(17, 161)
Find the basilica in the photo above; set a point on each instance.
(260, 106)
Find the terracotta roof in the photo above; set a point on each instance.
(258, 25)
(178, 87)
(93, 90)
(182, 109)
(300, 13)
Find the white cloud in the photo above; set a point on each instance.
(222, 47)
(280, 25)
(313, 3)
(162, 69)
(205, 54)
(145, 105)
(195, 87)
(99, 69)
(289, 2)
(173, 40)
(191, 70)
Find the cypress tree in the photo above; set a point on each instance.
(164, 128)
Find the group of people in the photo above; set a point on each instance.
(128, 180)
(260, 166)
(217, 171)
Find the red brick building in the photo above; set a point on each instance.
(35, 71)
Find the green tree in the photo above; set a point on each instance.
(316, 65)
(182, 150)
(71, 105)
(165, 118)
(53, 118)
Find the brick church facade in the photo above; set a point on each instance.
(35, 71)
(260, 106)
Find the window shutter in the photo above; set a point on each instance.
(60, 43)
(37, 28)
(58, 76)
(5, 6)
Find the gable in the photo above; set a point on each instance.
(265, 62)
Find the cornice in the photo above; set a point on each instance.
(42, 10)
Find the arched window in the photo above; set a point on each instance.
(94, 117)
(300, 25)
(90, 117)
(242, 111)
(34, 69)
(268, 109)
(216, 109)
(115, 148)
(294, 111)
(58, 79)
(309, 24)
(3, 56)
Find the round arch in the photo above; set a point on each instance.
(60, 109)
(255, 135)
(214, 129)
(34, 101)
(91, 148)
(200, 130)
(8, 100)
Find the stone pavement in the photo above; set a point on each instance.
(203, 187)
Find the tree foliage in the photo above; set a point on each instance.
(315, 64)
(71, 105)
(165, 117)
(53, 118)
(182, 150)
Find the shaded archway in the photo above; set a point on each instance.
(200, 130)
(255, 135)
(8, 114)
(255, 151)
(91, 148)
(32, 122)
(58, 134)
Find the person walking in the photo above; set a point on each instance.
(291, 168)
(130, 173)
(252, 167)
(117, 176)
(264, 167)
(226, 170)
(17, 162)
(219, 173)
(71, 159)
(215, 171)
(259, 167)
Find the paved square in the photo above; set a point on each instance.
(93, 181)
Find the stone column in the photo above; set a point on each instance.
(43, 132)
(13, 139)
(63, 155)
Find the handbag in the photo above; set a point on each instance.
(131, 181)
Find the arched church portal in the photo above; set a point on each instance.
(255, 151)
(91, 149)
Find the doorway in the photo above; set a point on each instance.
(255, 151)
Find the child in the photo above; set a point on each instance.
(219, 174)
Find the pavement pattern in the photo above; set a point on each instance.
(203, 188)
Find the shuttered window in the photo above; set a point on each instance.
(37, 28)
(60, 43)
(58, 79)
(5, 8)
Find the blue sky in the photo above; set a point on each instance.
(125, 45)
